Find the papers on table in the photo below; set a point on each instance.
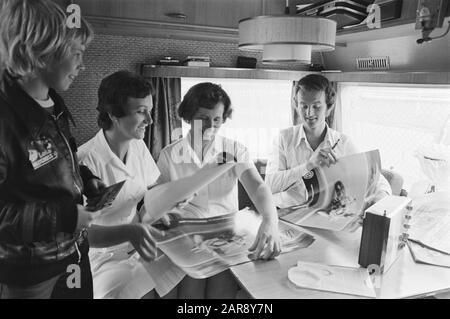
(353, 281)
(429, 236)
(430, 223)
(423, 254)
(205, 247)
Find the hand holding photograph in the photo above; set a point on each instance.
(336, 193)
(106, 198)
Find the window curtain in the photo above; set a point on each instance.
(166, 122)
(333, 120)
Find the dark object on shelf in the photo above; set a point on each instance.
(197, 61)
(168, 61)
(246, 62)
(316, 67)
(390, 9)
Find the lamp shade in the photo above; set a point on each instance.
(287, 38)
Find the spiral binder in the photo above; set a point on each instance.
(385, 231)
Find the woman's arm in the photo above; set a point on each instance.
(139, 235)
(267, 243)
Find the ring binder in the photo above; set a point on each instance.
(384, 233)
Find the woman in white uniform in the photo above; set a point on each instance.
(206, 106)
(114, 154)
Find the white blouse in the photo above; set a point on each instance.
(116, 273)
(139, 172)
(179, 160)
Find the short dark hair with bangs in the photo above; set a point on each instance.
(114, 92)
(204, 95)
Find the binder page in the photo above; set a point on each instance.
(430, 222)
(426, 255)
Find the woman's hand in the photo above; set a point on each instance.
(168, 220)
(141, 238)
(324, 157)
(85, 217)
(267, 243)
(185, 202)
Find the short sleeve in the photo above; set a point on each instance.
(88, 159)
(163, 166)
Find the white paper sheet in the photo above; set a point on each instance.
(430, 222)
(162, 198)
(423, 254)
(353, 281)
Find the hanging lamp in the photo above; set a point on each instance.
(287, 38)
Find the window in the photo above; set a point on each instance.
(397, 121)
(260, 109)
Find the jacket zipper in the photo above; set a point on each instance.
(55, 120)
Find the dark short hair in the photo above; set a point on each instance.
(317, 82)
(114, 92)
(204, 95)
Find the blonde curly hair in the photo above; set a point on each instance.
(34, 34)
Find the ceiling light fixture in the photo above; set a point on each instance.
(287, 38)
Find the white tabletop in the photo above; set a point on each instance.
(405, 278)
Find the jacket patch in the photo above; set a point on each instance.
(41, 152)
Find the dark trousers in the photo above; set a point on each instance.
(56, 287)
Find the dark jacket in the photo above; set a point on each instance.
(40, 186)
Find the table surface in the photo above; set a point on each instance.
(404, 279)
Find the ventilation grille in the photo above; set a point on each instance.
(378, 63)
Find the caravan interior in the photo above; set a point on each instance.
(389, 61)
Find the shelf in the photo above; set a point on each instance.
(432, 77)
(212, 72)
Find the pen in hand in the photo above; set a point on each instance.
(335, 144)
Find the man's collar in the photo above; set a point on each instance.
(329, 138)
